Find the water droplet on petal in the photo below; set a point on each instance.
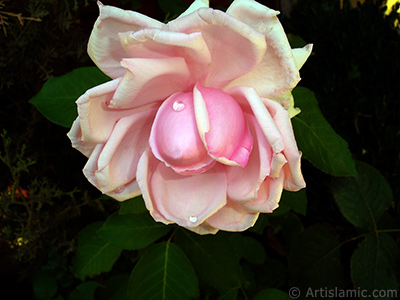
(178, 106)
(110, 102)
(118, 190)
(193, 219)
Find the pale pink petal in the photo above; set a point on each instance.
(186, 200)
(277, 72)
(175, 139)
(232, 217)
(277, 163)
(269, 195)
(197, 4)
(245, 182)
(235, 47)
(301, 55)
(222, 126)
(294, 179)
(75, 135)
(287, 101)
(149, 80)
(104, 46)
(91, 165)
(157, 43)
(117, 163)
(203, 228)
(125, 192)
(248, 95)
(146, 166)
(96, 118)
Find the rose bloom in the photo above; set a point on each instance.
(197, 115)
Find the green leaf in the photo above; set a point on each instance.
(132, 232)
(173, 8)
(94, 254)
(248, 248)
(315, 261)
(44, 286)
(277, 273)
(363, 199)
(115, 288)
(56, 100)
(164, 272)
(374, 265)
(296, 41)
(133, 206)
(296, 201)
(212, 257)
(320, 144)
(84, 291)
(290, 227)
(261, 224)
(253, 251)
(272, 294)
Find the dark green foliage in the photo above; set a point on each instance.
(374, 265)
(363, 199)
(56, 100)
(163, 272)
(317, 140)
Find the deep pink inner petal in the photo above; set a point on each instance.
(229, 137)
(174, 137)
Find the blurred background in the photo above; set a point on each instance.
(45, 200)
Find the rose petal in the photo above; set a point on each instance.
(91, 165)
(203, 228)
(168, 197)
(301, 55)
(269, 195)
(245, 182)
(232, 217)
(248, 95)
(277, 72)
(145, 169)
(128, 191)
(287, 101)
(157, 43)
(96, 118)
(174, 138)
(197, 4)
(104, 47)
(117, 163)
(150, 80)
(222, 126)
(293, 177)
(75, 135)
(235, 47)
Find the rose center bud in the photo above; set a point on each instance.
(224, 131)
(175, 139)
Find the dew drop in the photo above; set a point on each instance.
(178, 106)
(193, 219)
(119, 190)
(110, 102)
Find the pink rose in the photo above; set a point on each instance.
(197, 116)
